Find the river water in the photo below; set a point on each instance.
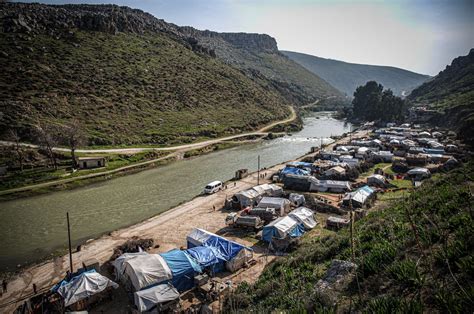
(34, 227)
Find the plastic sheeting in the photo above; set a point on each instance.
(183, 269)
(223, 249)
(282, 228)
(250, 196)
(295, 171)
(361, 195)
(144, 270)
(147, 299)
(274, 202)
(83, 286)
(297, 199)
(304, 216)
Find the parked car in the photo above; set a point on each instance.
(213, 187)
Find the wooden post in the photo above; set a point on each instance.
(69, 240)
(258, 171)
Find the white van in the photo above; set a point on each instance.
(213, 187)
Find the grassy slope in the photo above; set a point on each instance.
(348, 76)
(451, 87)
(415, 255)
(451, 92)
(299, 85)
(127, 88)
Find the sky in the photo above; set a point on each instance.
(419, 35)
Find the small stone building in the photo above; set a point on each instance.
(91, 162)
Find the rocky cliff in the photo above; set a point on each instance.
(126, 76)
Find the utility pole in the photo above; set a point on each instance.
(69, 238)
(350, 134)
(258, 171)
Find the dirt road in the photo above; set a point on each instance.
(185, 147)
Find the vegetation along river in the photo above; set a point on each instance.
(34, 227)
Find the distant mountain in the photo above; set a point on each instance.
(451, 92)
(127, 76)
(348, 76)
(258, 57)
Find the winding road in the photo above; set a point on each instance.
(182, 148)
(176, 150)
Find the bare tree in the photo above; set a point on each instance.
(47, 141)
(15, 138)
(73, 135)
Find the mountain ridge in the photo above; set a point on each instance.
(347, 76)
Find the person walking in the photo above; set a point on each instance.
(4, 285)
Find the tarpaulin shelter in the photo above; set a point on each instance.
(297, 183)
(142, 269)
(282, 228)
(297, 199)
(294, 171)
(207, 257)
(419, 173)
(84, 286)
(279, 204)
(183, 269)
(251, 196)
(233, 253)
(300, 164)
(304, 216)
(330, 186)
(148, 299)
(358, 197)
(377, 180)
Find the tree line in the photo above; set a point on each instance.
(372, 103)
(48, 136)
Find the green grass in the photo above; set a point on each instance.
(416, 255)
(128, 89)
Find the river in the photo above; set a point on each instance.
(34, 227)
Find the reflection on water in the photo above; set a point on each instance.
(33, 227)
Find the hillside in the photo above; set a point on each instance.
(257, 55)
(451, 93)
(127, 76)
(413, 256)
(348, 76)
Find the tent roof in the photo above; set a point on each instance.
(146, 299)
(272, 201)
(281, 228)
(146, 270)
(305, 216)
(85, 285)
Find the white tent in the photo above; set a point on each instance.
(83, 286)
(304, 216)
(143, 270)
(278, 203)
(297, 199)
(330, 185)
(282, 228)
(377, 180)
(146, 300)
(248, 197)
(422, 172)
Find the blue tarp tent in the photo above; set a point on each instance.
(183, 269)
(300, 164)
(207, 257)
(282, 228)
(66, 281)
(227, 249)
(294, 171)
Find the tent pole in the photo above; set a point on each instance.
(69, 239)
